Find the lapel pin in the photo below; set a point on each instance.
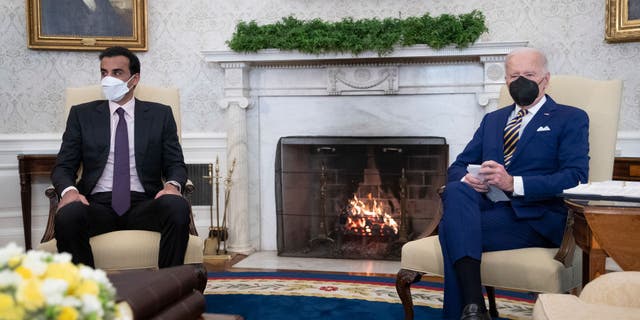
(546, 113)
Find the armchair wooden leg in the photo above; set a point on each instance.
(491, 294)
(404, 279)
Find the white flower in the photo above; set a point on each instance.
(54, 290)
(8, 252)
(91, 304)
(71, 302)
(62, 257)
(36, 262)
(9, 278)
(96, 275)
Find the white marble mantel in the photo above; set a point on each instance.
(412, 91)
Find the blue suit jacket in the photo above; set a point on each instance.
(549, 161)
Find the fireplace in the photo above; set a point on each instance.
(413, 91)
(356, 197)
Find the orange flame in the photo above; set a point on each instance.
(364, 215)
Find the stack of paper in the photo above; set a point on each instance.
(609, 188)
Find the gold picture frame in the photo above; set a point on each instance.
(86, 24)
(622, 20)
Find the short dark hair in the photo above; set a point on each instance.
(134, 63)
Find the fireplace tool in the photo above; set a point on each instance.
(223, 231)
(211, 242)
(323, 235)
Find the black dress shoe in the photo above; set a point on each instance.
(473, 311)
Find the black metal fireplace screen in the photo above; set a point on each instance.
(356, 197)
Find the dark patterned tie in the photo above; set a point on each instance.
(121, 193)
(512, 135)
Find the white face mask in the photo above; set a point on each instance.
(114, 89)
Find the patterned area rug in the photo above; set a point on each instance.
(280, 295)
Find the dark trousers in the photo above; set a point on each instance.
(75, 223)
(471, 224)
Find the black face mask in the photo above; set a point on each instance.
(523, 91)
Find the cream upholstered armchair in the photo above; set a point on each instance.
(125, 249)
(555, 270)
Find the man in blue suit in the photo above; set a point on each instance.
(532, 151)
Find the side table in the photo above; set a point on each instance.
(606, 228)
(30, 165)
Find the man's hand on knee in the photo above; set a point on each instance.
(168, 189)
(72, 196)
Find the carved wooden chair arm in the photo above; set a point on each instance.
(51, 193)
(189, 188)
(568, 245)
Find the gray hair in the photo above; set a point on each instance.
(540, 54)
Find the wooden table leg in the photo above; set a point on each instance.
(25, 200)
(593, 263)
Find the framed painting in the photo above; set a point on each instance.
(622, 21)
(86, 24)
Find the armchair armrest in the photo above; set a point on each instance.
(51, 193)
(188, 187)
(568, 245)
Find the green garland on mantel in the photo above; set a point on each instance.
(355, 36)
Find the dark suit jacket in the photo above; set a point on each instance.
(86, 142)
(549, 161)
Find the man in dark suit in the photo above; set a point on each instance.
(133, 169)
(532, 155)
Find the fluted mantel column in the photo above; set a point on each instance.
(236, 102)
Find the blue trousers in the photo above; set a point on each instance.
(471, 224)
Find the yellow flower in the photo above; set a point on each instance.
(8, 308)
(87, 287)
(25, 273)
(29, 294)
(68, 313)
(14, 261)
(66, 271)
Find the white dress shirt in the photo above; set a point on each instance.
(105, 183)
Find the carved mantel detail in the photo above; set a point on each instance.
(362, 80)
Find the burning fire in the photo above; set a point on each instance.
(368, 218)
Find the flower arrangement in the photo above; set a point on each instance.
(41, 285)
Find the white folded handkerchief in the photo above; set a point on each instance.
(545, 128)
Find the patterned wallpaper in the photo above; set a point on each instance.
(571, 32)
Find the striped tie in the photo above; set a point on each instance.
(512, 135)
